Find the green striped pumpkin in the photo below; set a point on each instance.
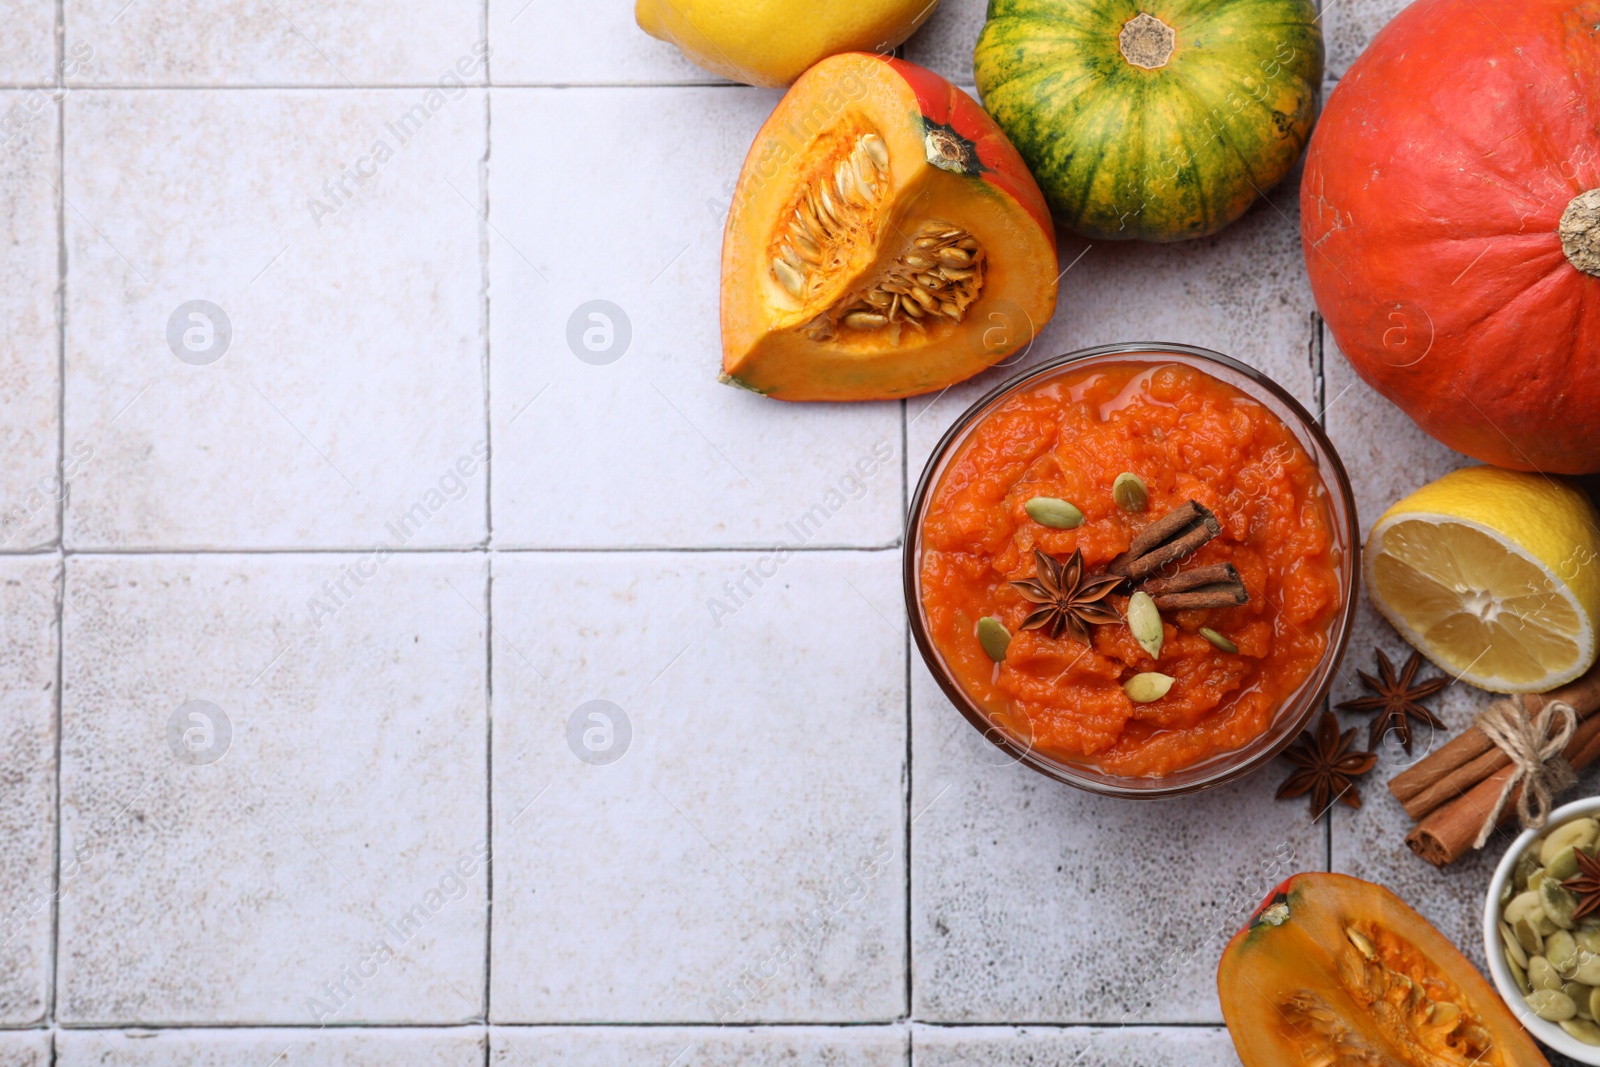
(1159, 119)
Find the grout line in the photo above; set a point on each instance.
(455, 550)
(342, 87)
(905, 504)
(52, 964)
(488, 865)
(479, 1025)
(488, 526)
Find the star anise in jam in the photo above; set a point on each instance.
(1328, 766)
(1585, 885)
(1397, 700)
(1069, 599)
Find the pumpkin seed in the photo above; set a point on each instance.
(1218, 640)
(1552, 1004)
(1558, 903)
(1147, 687)
(1582, 1029)
(1588, 939)
(994, 637)
(1513, 947)
(876, 150)
(1130, 493)
(1518, 973)
(1586, 967)
(1578, 993)
(788, 277)
(1145, 622)
(866, 320)
(1054, 513)
(1562, 951)
(1528, 936)
(1579, 833)
(1536, 879)
(1594, 1003)
(1542, 974)
(1526, 865)
(918, 261)
(1525, 905)
(954, 257)
(1362, 943)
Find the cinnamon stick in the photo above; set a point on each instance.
(1471, 757)
(1227, 595)
(1448, 832)
(1173, 536)
(1192, 578)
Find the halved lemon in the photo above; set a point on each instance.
(1494, 575)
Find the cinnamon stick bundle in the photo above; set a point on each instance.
(1460, 765)
(1448, 832)
(1453, 790)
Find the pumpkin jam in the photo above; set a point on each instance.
(1189, 437)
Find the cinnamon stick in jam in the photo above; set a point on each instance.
(1191, 524)
(1228, 595)
(1194, 577)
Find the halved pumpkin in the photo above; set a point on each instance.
(885, 239)
(1333, 970)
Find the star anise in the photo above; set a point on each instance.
(1585, 884)
(1071, 600)
(1398, 701)
(1328, 767)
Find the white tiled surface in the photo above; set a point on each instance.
(780, 845)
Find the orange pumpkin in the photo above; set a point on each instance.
(885, 239)
(1335, 970)
(1451, 217)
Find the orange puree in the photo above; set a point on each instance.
(1189, 437)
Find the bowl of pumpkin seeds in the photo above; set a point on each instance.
(1541, 930)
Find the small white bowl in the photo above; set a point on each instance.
(1546, 1032)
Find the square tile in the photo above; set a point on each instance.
(30, 380)
(28, 49)
(606, 343)
(1027, 896)
(1243, 293)
(26, 1049)
(1036, 1046)
(282, 787)
(301, 1048)
(340, 44)
(28, 605)
(255, 358)
(699, 792)
(812, 1046)
(577, 44)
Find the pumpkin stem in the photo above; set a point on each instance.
(1580, 232)
(1147, 41)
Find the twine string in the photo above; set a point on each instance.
(1534, 744)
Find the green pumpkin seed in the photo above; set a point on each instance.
(1594, 1003)
(1144, 688)
(1528, 936)
(1513, 947)
(1588, 938)
(1145, 622)
(1218, 640)
(1518, 973)
(1582, 1029)
(1579, 833)
(1542, 974)
(1536, 879)
(1561, 949)
(1586, 968)
(1130, 493)
(1564, 866)
(994, 637)
(1056, 514)
(1552, 1004)
(1526, 865)
(1558, 903)
(1525, 905)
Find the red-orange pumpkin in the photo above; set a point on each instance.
(1451, 217)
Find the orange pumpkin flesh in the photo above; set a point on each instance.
(1332, 970)
(885, 240)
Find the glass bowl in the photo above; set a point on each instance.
(1297, 709)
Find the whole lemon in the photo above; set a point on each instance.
(773, 42)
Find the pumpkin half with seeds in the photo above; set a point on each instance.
(1335, 970)
(1152, 119)
(885, 240)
